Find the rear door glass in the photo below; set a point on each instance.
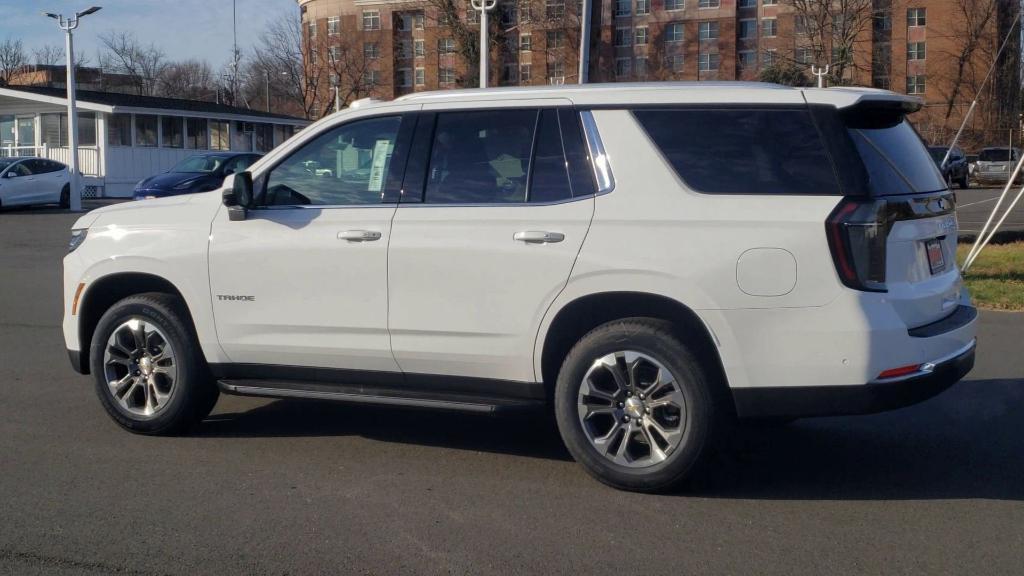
(743, 151)
(896, 159)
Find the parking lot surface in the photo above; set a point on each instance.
(289, 487)
(975, 205)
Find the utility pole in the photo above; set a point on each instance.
(68, 25)
(483, 6)
(584, 73)
(821, 73)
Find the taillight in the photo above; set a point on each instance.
(857, 232)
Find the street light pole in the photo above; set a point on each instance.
(268, 89)
(68, 25)
(483, 6)
(584, 72)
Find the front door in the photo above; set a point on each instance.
(302, 282)
(18, 185)
(476, 260)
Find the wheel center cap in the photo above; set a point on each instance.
(634, 407)
(146, 365)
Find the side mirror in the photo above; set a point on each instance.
(238, 198)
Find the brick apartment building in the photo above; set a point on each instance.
(387, 48)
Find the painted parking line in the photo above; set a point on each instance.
(978, 202)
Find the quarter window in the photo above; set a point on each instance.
(346, 166)
(743, 151)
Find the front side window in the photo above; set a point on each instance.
(753, 151)
(347, 165)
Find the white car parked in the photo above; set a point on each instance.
(28, 181)
(650, 261)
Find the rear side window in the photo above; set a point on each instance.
(995, 155)
(743, 151)
(896, 159)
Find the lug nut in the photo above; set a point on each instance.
(625, 418)
(621, 404)
(641, 395)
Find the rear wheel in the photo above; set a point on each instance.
(634, 406)
(964, 182)
(150, 375)
(65, 196)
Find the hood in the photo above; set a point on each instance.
(116, 211)
(168, 180)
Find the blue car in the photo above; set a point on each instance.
(197, 173)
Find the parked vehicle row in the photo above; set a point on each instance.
(579, 249)
(197, 173)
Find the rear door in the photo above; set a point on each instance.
(921, 275)
(47, 180)
(485, 238)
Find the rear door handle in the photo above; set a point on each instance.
(359, 235)
(538, 237)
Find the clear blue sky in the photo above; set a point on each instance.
(182, 28)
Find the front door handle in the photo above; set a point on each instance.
(359, 235)
(538, 237)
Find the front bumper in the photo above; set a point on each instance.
(797, 402)
(78, 361)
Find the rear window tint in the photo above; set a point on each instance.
(749, 151)
(896, 159)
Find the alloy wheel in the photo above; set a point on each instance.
(139, 367)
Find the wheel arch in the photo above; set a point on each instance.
(106, 291)
(583, 314)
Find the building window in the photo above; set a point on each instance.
(421, 76)
(769, 58)
(172, 132)
(747, 59)
(842, 54)
(916, 17)
(446, 75)
(525, 73)
(915, 51)
(748, 29)
(675, 62)
(747, 4)
(219, 135)
(311, 30)
(673, 5)
(642, 35)
(333, 25)
(509, 74)
(119, 129)
(881, 82)
(554, 8)
(145, 130)
(640, 70)
(622, 67)
(623, 36)
(622, 7)
(674, 32)
(643, 7)
(370, 78)
(769, 2)
(417, 21)
(525, 41)
(509, 15)
(446, 45)
(371, 19)
(804, 56)
(556, 71)
(371, 51)
(196, 130)
(333, 54)
(419, 48)
(403, 77)
(708, 62)
(882, 21)
(708, 4)
(403, 49)
(916, 84)
(708, 30)
(556, 38)
(332, 79)
(769, 27)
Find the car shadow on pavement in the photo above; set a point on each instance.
(967, 443)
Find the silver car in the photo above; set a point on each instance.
(995, 165)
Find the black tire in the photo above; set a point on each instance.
(65, 197)
(704, 420)
(964, 183)
(194, 391)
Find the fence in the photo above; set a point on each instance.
(88, 158)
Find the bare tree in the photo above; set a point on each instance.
(295, 69)
(12, 59)
(189, 79)
(833, 30)
(124, 54)
(48, 55)
(974, 29)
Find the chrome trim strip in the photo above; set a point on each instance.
(599, 158)
(243, 390)
(928, 367)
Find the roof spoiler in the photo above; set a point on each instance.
(878, 112)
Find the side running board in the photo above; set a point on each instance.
(382, 397)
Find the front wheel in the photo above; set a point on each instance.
(635, 407)
(964, 183)
(150, 375)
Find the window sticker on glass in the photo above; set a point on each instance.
(381, 154)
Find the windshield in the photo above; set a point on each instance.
(995, 155)
(937, 154)
(199, 164)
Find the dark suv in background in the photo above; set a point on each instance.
(957, 170)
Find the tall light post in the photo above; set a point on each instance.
(483, 6)
(584, 72)
(68, 25)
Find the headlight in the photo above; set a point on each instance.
(77, 237)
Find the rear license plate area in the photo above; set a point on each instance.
(936, 259)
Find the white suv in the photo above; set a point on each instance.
(650, 261)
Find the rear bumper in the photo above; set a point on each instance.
(795, 402)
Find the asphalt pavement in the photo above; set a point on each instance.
(975, 205)
(291, 487)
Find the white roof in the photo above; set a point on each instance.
(626, 93)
